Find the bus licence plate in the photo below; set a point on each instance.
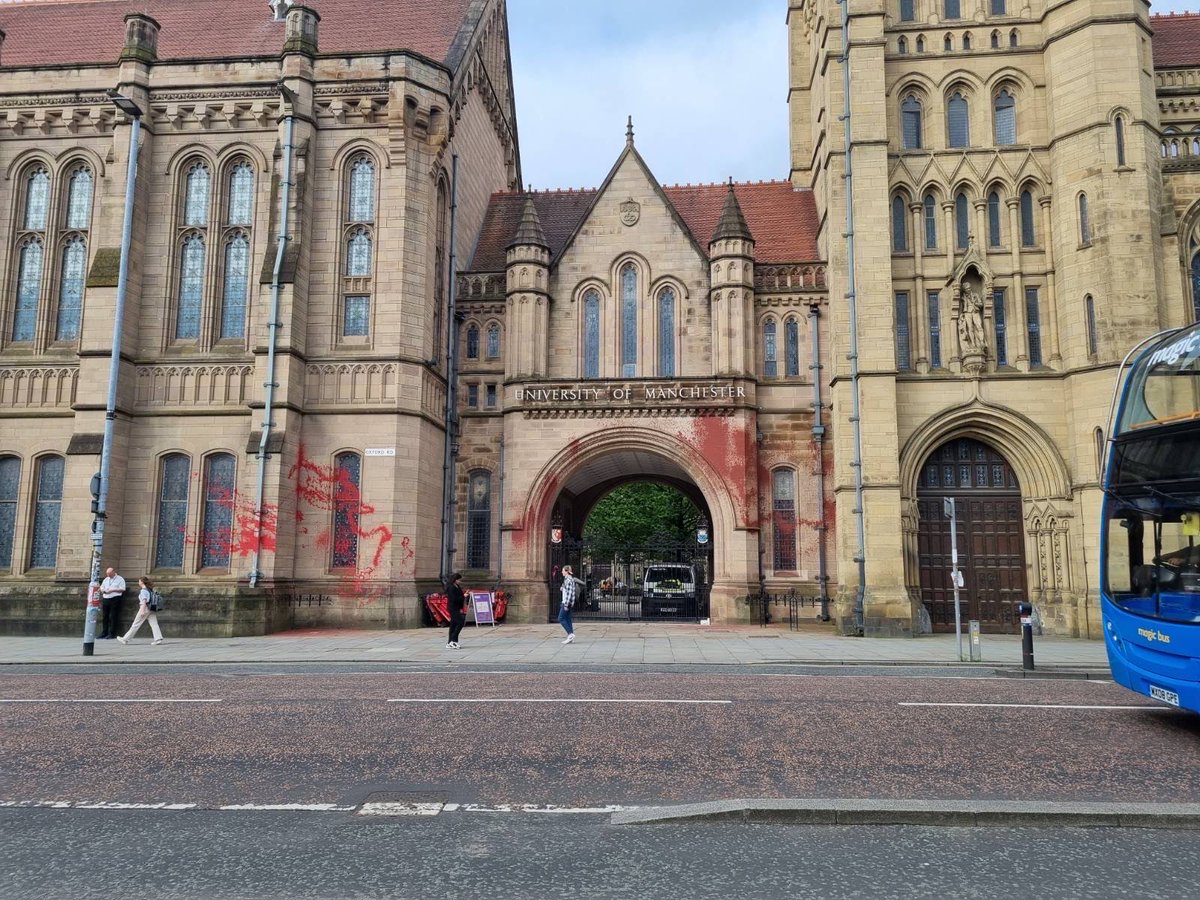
(1164, 695)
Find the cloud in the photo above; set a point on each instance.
(708, 100)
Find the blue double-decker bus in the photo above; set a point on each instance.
(1150, 534)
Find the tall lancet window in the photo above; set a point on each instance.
(629, 329)
(791, 348)
(591, 335)
(770, 350)
(666, 333)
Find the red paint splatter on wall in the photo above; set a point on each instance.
(229, 527)
(730, 449)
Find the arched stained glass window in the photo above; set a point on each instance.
(770, 350)
(957, 111)
(910, 114)
(79, 200)
(994, 232)
(472, 341)
(666, 333)
(195, 204)
(241, 194)
(1005, 110)
(362, 190)
(783, 519)
(347, 509)
(237, 276)
(358, 254)
(791, 348)
(899, 224)
(591, 335)
(629, 329)
(172, 511)
(493, 341)
(1028, 233)
(10, 484)
(930, 222)
(37, 199)
(46, 513)
(962, 221)
(70, 289)
(216, 535)
(1085, 225)
(479, 521)
(191, 288)
(29, 289)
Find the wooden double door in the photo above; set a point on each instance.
(991, 542)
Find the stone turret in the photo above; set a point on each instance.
(731, 252)
(528, 300)
(300, 30)
(141, 38)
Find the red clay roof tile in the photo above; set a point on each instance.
(782, 220)
(93, 31)
(1176, 40)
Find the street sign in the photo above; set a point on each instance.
(481, 602)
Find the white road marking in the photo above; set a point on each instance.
(553, 700)
(101, 700)
(367, 809)
(285, 807)
(1042, 706)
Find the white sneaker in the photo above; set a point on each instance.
(122, 639)
(570, 638)
(157, 641)
(450, 645)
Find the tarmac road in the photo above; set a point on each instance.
(578, 740)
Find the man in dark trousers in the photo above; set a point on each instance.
(456, 600)
(112, 591)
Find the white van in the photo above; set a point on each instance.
(669, 589)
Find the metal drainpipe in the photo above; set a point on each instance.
(852, 298)
(500, 510)
(273, 327)
(818, 433)
(448, 467)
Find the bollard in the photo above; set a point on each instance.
(976, 646)
(1025, 611)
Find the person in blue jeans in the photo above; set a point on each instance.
(570, 591)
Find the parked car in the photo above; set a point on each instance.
(669, 589)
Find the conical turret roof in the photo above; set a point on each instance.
(732, 224)
(529, 232)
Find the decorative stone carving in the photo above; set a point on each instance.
(189, 386)
(38, 387)
(631, 212)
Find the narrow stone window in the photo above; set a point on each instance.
(995, 40)
(241, 195)
(1085, 225)
(10, 484)
(899, 224)
(999, 316)
(472, 396)
(196, 195)
(629, 329)
(191, 288)
(37, 199)
(356, 316)
(359, 251)
(1090, 313)
(46, 512)
(1028, 233)
(998, 8)
(1119, 129)
(791, 348)
(1014, 39)
(903, 341)
(948, 44)
(935, 329)
(473, 341)
(1004, 109)
(770, 350)
(1034, 318)
(967, 41)
(79, 200)
(994, 230)
(216, 534)
(493, 341)
(666, 333)
(920, 43)
(174, 484)
(70, 289)
(962, 221)
(907, 10)
(362, 190)
(29, 289)
(952, 9)
(347, 510)
(490, 393)
(902, 46)
(479, 521)
(957, 111)
(783, 519)
(591, 335)
(910, 114)
(930, 222)
(237, 277)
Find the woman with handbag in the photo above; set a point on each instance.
(147, 607)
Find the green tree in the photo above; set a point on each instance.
(640, 513)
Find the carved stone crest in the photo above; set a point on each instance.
(631, 212)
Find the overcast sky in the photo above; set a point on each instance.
(705, 82)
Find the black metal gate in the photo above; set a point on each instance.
(667, 581)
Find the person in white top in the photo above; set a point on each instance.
(144, 612)
(112, 591)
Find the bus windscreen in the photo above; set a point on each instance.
(1164, 386)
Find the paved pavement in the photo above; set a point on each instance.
(598, 644)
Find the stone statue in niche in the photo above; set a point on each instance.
(970, 323)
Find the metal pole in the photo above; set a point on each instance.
(818, 433)
(954, 576)
(110, 410)
(448, 467)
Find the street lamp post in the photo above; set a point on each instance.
(100, 505)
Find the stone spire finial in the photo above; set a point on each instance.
(629, 133)
(529, 232)
(732, 224)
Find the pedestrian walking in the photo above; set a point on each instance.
(112, 592)
(570, 591)
(147, 608)
(456, 600)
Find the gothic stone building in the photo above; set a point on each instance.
(1025, 189)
